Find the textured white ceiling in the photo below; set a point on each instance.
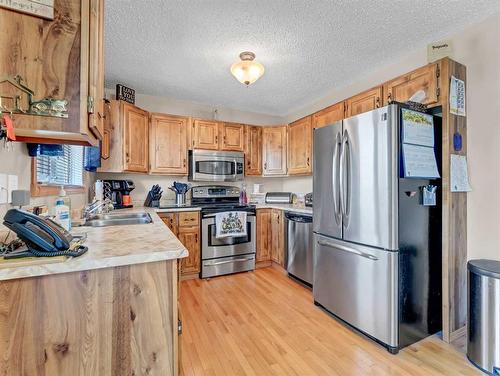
(184, 48)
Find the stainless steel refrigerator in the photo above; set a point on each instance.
(377, 249)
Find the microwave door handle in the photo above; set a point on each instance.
(235, 169)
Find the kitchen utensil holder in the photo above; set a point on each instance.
(180, 199)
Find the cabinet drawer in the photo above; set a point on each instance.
(189, 219)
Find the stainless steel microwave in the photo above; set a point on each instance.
(209, 165)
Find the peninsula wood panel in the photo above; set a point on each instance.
(364, 102)
(426, 79)
(264, 235)
(168, 144)
(136, 138)
(253, 151)
(205, 134)
(52, 57)
(299, 147)
(274, 150)
(328, 115)
(233, 137)
(454, 212)
(111, 321)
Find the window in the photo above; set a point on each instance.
(50, 172)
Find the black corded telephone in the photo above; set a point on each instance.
(42, 236)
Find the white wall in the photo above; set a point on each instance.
(478, 48)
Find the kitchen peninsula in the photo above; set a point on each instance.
(111, 311)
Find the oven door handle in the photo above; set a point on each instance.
(215, 263)
(213, 215)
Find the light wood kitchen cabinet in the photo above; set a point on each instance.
(404, 87)
(299, 147)
(168, 144)
(278, 237)
(205, 134)
(264, 235)
(233, 137)
(96, 68)
(129, 139)
(253, 151)
(136, 137)
(364, 102)
(328, 115)
(274, 150)
(190, 237)
(186, 226)
(58, 59)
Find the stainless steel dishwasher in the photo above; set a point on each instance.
(299, 246)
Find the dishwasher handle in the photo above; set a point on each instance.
(296, 217)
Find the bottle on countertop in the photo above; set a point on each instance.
(64, 197)
(243, 194)
(63, 214)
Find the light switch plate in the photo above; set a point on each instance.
(12, 185)
(3, 189)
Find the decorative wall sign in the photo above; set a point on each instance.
(124, 93)
(39, 8)
(438, 50)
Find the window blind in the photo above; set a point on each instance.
(63, 170)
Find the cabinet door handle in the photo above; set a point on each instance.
(389, 97)
(265, 165)
(308, 161)
(377, 102)
(127, 157)
(184, 162)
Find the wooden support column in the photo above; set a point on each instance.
(454, 214)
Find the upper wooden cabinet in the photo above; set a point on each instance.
(129, 139)
(233, 137)
(328, 115)
(363, 102)
(299, 147)
(135, 129)
(426, 79)
(253, 151)
(205, 134)
(57, 59)
(168, 144)
(274, 150)
(96, 69)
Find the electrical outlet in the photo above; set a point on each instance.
(3, 189)
(12, 185)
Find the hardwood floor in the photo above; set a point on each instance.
(263, 323)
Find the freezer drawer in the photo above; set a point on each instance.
(359, 285)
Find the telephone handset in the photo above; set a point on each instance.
(42, 236)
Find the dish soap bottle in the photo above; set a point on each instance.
(243, 194)
(63, 216)
(66, 199)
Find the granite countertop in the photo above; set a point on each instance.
(112, 246)
(296, 208)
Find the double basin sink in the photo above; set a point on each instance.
(103, 220)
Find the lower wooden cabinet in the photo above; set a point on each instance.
(264, 238)
(270, 237)
(278, 237)
(186, 226)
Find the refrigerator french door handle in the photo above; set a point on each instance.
(348, 168)
(347, 249)
(335, 183)
(343, 204)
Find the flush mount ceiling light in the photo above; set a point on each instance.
(247, 71)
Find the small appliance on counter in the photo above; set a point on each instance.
(279, 197)
(119, 192)
(308, 200)
(153, 197)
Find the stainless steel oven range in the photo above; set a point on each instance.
(226, 255)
